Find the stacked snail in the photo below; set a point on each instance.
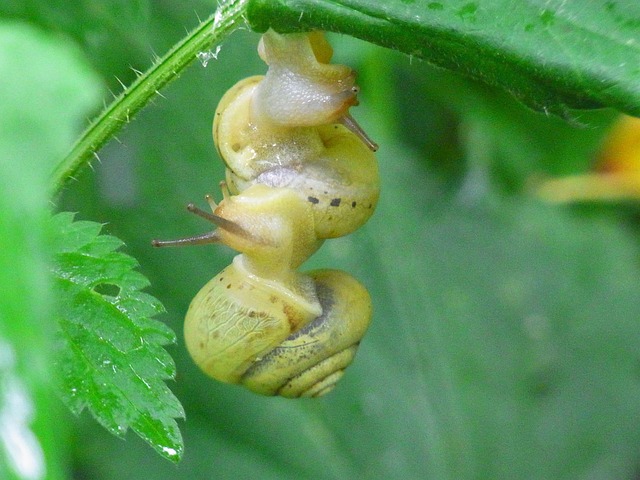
(299, 170)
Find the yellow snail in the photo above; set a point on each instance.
(299, 170)
(291, 128)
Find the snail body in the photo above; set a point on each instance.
(316, 92)
(299, 171)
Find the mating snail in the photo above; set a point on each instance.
(299, 171)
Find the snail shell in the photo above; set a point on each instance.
(240, 329)
(262, 324)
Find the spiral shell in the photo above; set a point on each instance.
(242, 330)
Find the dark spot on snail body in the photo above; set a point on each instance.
(293, 317)
(353, 204)
(335, 202)
(235, 147)
(313, 200)
(228, 286)
(273, 299)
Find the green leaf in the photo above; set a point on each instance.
(111, 354)
(46, 89)
(552, 55)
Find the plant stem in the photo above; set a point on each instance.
(209, 33)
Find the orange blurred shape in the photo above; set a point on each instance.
(616, 175)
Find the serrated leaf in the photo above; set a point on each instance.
(111, 354)
(552, 55)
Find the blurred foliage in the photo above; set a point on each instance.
(505, 337)
(36, 71)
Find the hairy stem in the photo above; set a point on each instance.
(209, 33)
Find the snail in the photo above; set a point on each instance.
(259, 322)
(292, 129)
(299, 171)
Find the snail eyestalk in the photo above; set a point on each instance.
(201, 213)
(204, 239)
(355, 128)
(209, 237)
(228, 225)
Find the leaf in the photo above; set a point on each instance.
(46, 89)
(111, 356)
(551, 55)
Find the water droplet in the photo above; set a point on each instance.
(204, 57)
(217, 19)
(170, 452)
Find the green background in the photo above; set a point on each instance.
(505, 335)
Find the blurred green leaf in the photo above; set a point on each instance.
(97, 27)
(111, 357)
(551, 55)
(46, 88)
(468, 132)
(516, 331)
